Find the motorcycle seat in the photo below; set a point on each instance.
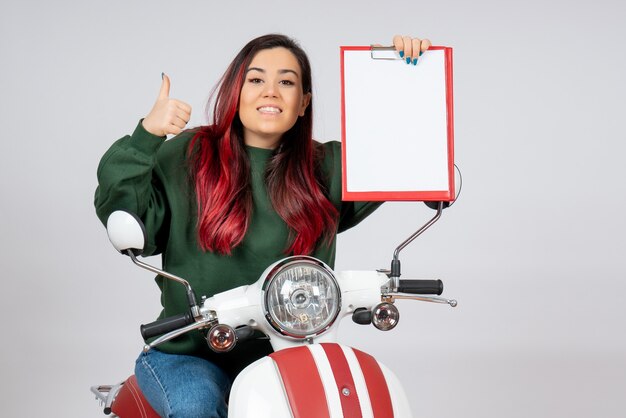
(130, 402)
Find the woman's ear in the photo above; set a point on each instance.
(306, 99)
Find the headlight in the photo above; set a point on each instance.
(301, 297)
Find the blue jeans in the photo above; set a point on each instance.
(181, 386)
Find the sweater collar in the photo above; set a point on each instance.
(259, 155)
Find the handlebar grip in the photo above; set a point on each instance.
(421, 287)
(165, 325)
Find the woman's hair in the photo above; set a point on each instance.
(220, 170)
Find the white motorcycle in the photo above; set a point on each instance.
(298, 303)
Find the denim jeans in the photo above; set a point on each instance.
(181, 386)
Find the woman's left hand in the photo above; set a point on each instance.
(410, 48)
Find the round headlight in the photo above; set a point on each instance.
(301, 297)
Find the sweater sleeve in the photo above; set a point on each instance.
(127, 180)
(354, 212)
(350, 213)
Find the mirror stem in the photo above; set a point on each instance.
(395, 263)
(191, 296)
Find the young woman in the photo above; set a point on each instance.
(222, 202)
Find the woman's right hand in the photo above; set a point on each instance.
(168, 116)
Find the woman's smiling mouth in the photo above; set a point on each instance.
(269, 109)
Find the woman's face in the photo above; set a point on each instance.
(271, 99)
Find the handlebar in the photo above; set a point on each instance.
(421, 287)
(162, 326)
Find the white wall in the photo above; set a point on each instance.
(533, 250)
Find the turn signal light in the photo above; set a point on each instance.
(221, 338)
(385, 316)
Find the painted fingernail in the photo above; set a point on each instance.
(421, 52)
(408, 60)
(162, 74)
(401, 54)
(415, 61)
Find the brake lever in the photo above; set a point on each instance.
(390, 297)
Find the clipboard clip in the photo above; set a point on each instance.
(388, 53)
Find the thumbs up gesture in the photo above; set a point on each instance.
(168, 116)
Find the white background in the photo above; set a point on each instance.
(533, 250)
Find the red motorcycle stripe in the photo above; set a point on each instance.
(376, 385)
(343, 377)
(302, 382)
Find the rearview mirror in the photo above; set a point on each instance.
(126, 232)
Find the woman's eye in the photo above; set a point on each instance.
(255, 80)
(287, 82)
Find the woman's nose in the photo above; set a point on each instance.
(270, 90)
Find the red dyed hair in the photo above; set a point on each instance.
(220, 168)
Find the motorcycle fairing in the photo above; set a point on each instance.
(325, 380)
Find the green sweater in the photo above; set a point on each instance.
(148, 176)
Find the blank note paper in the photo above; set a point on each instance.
(397, 125)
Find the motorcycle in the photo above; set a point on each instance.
(298, 302)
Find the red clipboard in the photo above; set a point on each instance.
(425, 171)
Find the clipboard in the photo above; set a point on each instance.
(397, 125)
